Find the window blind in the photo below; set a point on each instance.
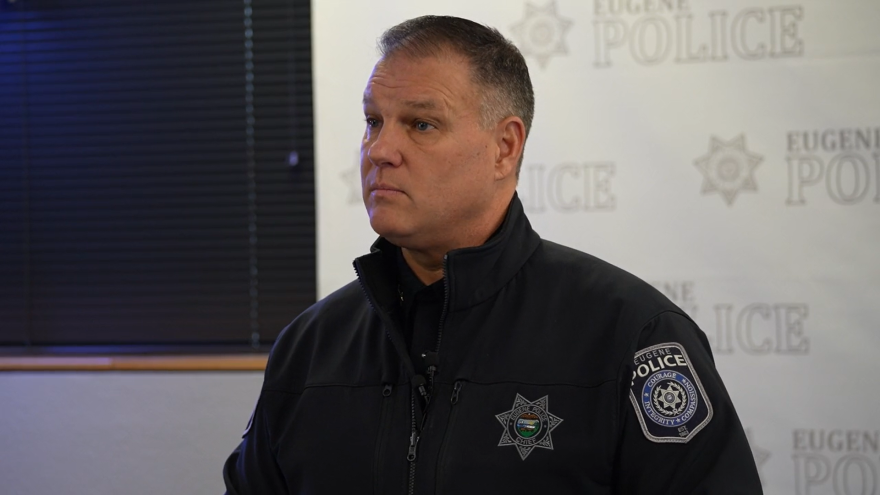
(156, 171)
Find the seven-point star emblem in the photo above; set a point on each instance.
(528, 425)
(728, 168)
(542, 33)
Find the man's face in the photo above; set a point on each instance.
(427, 166)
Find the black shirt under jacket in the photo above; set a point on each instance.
(558, 374)
(420, 309)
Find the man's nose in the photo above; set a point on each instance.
(384, 149)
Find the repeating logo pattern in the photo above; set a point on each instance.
(846, 161)
(528, 425)
(836, 461)
(762, 328)
(651, 33)
(728, 168)
(541, 33)
(568, 187)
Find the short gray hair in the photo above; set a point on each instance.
(497, 66)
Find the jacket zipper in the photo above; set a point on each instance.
(414, 434)
(416, 429)
(378, 313)
(456, 390)
(383, 430)
(416, 426)
(413, 444)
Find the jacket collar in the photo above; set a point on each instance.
(472, 275)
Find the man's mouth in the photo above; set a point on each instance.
(385, 189)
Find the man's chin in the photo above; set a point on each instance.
(389, 227)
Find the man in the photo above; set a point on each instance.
(471, 356)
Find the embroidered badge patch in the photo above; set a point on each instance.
(528, 425)
(667, 395)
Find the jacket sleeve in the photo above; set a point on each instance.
(252, 468)
(679, 430)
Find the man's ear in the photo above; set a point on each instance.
(510, 137)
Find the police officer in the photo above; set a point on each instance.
(471, 356)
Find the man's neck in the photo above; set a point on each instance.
(427, 263)
(426, 266)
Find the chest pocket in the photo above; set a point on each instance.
(516, 438)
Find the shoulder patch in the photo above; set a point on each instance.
(667, 395)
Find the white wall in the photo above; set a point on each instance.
(108, 433)
(777, 262)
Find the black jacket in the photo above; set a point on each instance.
(558, 374)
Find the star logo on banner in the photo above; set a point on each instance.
(542, 33)
(528, 425)
(761, 455)
(351, 177)
(728, 168)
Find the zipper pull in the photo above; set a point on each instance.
(386, 391)
(419, 382)
(431, 361)
(455, 390)
(413, 443)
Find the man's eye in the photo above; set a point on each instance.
(371, 122)
(423, 126)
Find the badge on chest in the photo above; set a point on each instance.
(528, 425)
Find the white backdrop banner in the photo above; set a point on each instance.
(726, 151)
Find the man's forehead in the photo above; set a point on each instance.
(420, 82)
